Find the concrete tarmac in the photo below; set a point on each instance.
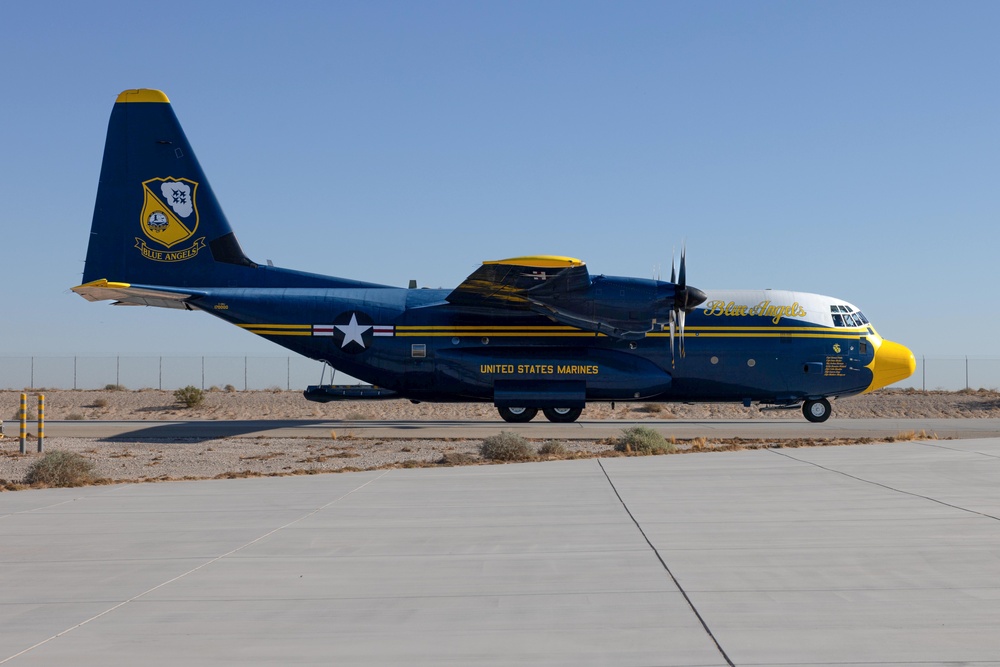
(856, 555)
(778, 429)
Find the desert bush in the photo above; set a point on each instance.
(114, 387)
(100, 403)
(230, 389)
(190, 396)
(29, 414)
(456, 459)
(75, 417)
(60, 468)
(506, 446)
(554, 449)
(642, 440)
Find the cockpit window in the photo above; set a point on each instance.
(844, 316)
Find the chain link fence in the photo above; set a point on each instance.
(243, 373)
(296, 373)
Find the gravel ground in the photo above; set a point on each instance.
(122, 460)
(173, 459)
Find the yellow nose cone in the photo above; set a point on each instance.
(893, 362)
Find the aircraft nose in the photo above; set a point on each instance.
(893, 362)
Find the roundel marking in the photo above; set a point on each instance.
(352, 331)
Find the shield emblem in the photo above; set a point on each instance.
(169, 210)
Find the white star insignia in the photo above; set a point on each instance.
(352, 331)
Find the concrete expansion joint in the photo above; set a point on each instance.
(886, 486)
(666, 568)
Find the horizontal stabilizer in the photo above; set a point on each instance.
(125, 294)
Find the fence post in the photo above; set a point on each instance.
(74, 373)
(160, 385)
(203, 373)
(245, 385)
(967, 372)
(23, 418)
(41, 422)
(923, 370)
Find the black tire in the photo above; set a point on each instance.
(817, 411)
(517, 415)
(562, 415)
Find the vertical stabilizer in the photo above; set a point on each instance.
(156, 220)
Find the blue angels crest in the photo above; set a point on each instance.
(169, 210)
(169, 217)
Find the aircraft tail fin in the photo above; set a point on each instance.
(156, 220)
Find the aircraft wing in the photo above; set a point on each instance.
(126, 294)
(505, 283)
(561, 289)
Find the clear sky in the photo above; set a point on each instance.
(843, 148)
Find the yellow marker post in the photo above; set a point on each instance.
(23, 417)
(41, 421)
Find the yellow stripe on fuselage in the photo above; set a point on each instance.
(558, 331)
(484, 328)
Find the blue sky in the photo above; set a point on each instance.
(843, 148)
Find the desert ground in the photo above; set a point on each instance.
(121, 460)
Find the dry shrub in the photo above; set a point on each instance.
(908, 436)
(457, 459)
(697, 445)
(642, 440)
(553, 449)
(189, 396)
(506, 446)
(61, 468)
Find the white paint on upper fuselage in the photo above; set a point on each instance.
(774, 307)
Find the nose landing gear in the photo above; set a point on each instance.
(817, 410)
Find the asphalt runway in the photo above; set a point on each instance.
(855, 555)
(582, 430)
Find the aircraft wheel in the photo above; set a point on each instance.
(817, 411)
(517, 415)
(562, 415)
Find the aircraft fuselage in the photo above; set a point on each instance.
(769, 346)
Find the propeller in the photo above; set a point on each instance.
(686, 299)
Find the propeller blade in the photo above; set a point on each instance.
(682, 278)
(673, 328)
(681, 316)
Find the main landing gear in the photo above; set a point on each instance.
(522, 415)
(817, 410)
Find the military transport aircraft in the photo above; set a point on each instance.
(527, 334)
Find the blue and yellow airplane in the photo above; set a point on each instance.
(527, 334)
